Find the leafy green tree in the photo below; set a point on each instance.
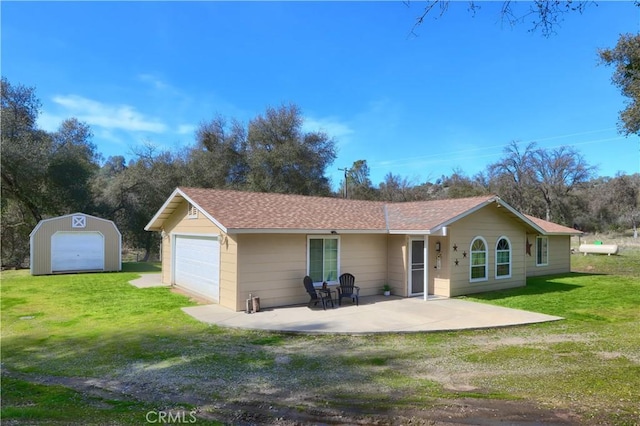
(131, 194)
(358, 183)
(219, 157)
(625, 56)
(25, 149)
(25, 152)
(281, 157)
(73, 163)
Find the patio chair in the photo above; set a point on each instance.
(347, 288)
(317, 295)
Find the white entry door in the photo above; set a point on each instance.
(197, 265)
(77, 251)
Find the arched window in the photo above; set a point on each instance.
(503, 258)
(478, 262)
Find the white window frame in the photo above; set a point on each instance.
(500, 277)
(192, 211)
(323, 238)
(486, 261)
(545, 261)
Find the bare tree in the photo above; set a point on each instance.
(543, 15)
(556, 174)
(540, 181)
(513, 177)
(397, 188)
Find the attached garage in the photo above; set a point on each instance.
(196, 264)
(75, 243)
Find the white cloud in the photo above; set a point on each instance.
(186, 129)
(49, 122)
(331, 126)
(94, 113)
(154, 81)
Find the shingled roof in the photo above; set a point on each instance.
(553, 228)
(240, 211)
(428, 215)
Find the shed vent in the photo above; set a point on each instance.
(78, 221)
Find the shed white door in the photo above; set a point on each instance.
(197, 265)
(77, 251)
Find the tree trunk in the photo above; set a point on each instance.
(147, 247)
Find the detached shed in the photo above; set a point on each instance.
(75, 243)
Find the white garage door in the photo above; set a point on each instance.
(77, 251)
(197, 265)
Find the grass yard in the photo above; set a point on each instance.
(92, 349)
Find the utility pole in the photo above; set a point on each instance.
(345, 170)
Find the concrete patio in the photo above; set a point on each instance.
(375, 314)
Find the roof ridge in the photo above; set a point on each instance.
(186, 189)
(325, 197)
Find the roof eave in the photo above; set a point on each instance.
(303, 231)
(152, 225)
(156, 223)
(410, 231)
(564, 233)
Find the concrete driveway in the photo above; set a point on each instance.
(376, 314)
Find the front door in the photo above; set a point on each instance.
(416, 267)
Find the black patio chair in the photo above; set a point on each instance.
(347, 288)
(317, 295)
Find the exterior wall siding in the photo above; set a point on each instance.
(559, 256)
(491, 223)
(365, 256)
(439, 275)
(41, 241)
(273, 266)
(397, 259)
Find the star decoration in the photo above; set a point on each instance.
(455, 247)
(456, 262)
(464, 254)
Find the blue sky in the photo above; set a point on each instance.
(451, 96)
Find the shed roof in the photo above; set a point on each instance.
(240, 211)
(57, 218)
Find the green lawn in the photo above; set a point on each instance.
(92, 349)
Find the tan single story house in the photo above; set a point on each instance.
(75, 242)
(225, 245)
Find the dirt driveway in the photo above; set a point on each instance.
(254, 410)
